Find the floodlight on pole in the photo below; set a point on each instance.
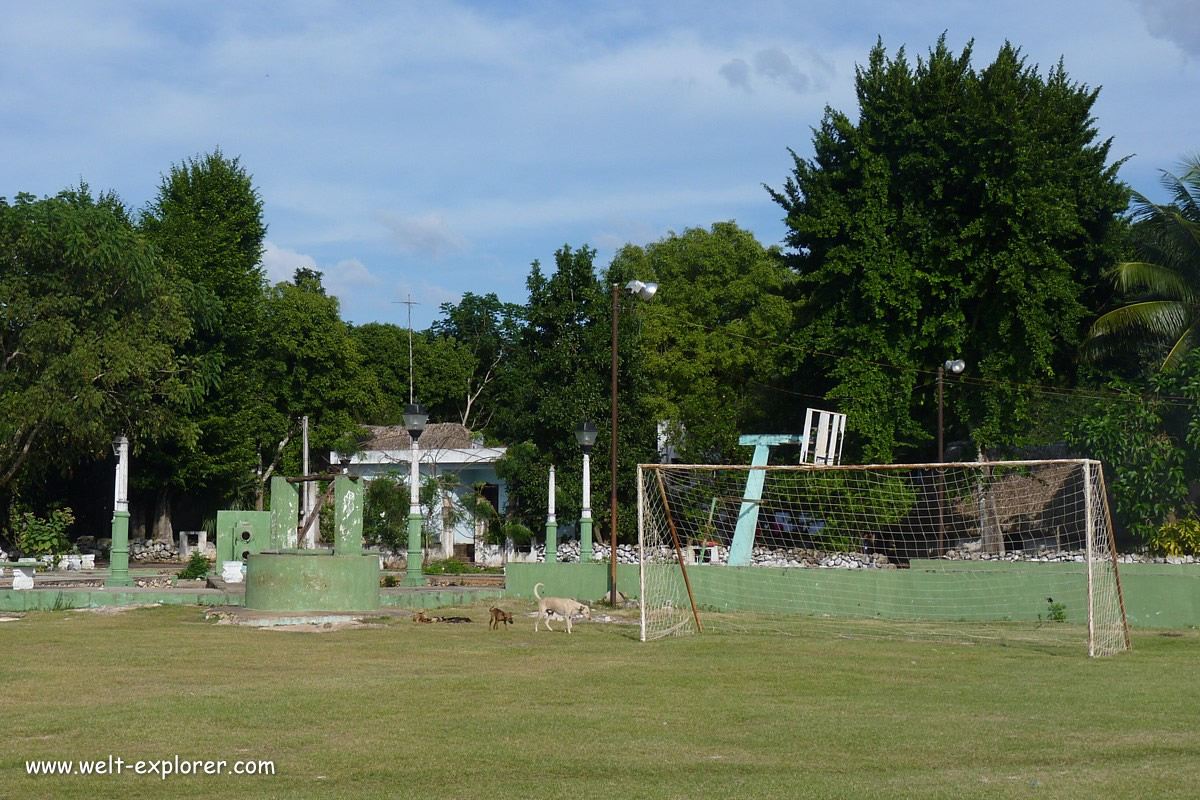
(954, 366)
(645, 291)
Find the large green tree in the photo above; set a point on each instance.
(312, 367)
(1164, 278)
(966, 213)
(440, 368)
(207, 219)
(562, 368)
(711, 340)
(90, 318)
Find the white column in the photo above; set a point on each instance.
(587, 486)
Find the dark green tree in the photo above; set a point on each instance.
(207, 220)
(311, 366)
(1164, 276)
(563, 367)
(966, 213)
(90, 318)
(711, 338)
(441, 367)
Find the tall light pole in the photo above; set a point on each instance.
(415, 418)
(645, 291)
(118, 556)
(585, 434)
(955, 366)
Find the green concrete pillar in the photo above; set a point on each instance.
(285, 513)
(551, 542)
(348, 535)
(118, 557)
(585, 540)
(414, 574)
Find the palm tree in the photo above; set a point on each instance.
(1166, 276)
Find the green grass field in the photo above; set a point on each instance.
(458, 711)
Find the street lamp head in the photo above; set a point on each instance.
(585, 434)
(118, 442)
(641, 289)
(956, 366)
(415, 418)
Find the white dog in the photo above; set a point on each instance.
(565, 607)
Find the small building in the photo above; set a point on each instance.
(449, 452)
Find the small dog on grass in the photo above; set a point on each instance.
(565, 607)
(499, 615)
(420, 617)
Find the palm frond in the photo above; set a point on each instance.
(1181, 348)
(1157, 278)
(1166, 318)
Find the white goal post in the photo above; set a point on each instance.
(1003, 551)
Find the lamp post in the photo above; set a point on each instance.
(645, 291)
(956, 366)
(585, 434)
(118, 556)
(415, 418)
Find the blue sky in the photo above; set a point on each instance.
(429, 149)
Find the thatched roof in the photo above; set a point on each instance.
(437, 436)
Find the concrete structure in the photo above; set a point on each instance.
(288, 579)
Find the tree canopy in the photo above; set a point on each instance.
(90, 319)
(965, 214)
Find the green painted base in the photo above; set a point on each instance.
(308, 581)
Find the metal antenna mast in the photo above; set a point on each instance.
(410, 303)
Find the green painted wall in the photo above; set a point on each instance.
(51, 600)
(231, 529)
(1156, 595)
(312, 581)
(438, 598)
(285, 513)
(587, 583)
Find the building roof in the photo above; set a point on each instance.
(447, 444)
(437, 436)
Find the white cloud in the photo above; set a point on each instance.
(427, 235)
(281, 264)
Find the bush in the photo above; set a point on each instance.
(197, 567)
(36, 537)
(453, 566)
(1180, 538)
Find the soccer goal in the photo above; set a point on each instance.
(1002, 551)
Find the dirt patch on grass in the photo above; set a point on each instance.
(324, 627)
(110, 610)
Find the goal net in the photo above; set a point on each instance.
(1001, 551)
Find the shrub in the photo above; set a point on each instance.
(35, 536)
(1181, 538)
(197, 567)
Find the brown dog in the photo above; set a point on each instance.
(420, 617)
(499, 615)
